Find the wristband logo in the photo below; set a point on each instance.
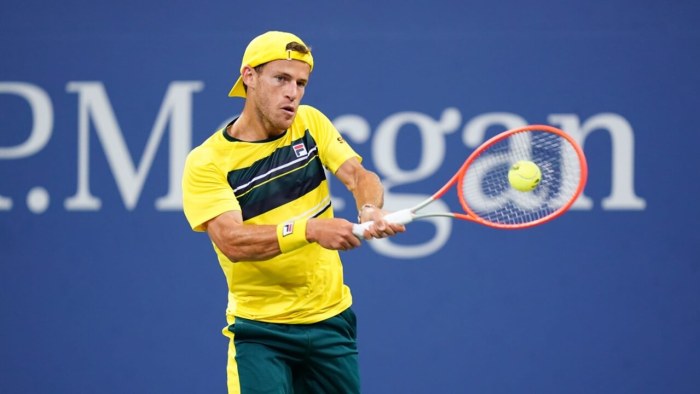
(287, 229)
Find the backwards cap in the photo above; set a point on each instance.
(266, 48)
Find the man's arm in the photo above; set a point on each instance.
(251, 242)
(242, 242)
(367, 189)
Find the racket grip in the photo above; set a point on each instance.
(403, 216)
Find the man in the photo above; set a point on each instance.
(259, 190)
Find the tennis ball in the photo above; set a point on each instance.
(524, 176)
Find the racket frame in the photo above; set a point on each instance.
(407, 215)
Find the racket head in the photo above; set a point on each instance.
(487, 196)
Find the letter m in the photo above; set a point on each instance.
(94, 105)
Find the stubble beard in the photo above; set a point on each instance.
(272, 121)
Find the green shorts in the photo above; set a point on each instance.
(294, 358)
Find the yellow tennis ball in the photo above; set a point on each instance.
(524, 176)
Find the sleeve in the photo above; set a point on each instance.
(206, 193)
(333, 149)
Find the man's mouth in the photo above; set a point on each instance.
(288, 109)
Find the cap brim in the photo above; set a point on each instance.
(237, 90)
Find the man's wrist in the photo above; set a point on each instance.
(362, 209)
(292, 235)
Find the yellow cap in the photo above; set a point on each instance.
(266, 48)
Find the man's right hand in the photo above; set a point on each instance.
(334, 234)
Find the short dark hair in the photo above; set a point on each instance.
(297, 47)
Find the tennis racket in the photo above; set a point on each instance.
(485, 193)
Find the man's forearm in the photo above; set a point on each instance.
(368, 190)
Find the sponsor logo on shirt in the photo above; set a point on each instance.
(299, 149)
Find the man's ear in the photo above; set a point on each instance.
(248, 75)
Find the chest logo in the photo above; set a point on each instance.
(299, 149)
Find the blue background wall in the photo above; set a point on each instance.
(125, 298)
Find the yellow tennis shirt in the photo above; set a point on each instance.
(271, 182)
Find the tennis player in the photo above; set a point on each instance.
(258, 188)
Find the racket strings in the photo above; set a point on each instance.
(487, 193)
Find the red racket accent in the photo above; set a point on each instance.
(485, 193)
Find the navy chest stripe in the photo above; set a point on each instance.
(282, 190)
(282, 160)
(287, 174)
(290, 166)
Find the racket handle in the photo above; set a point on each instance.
(403, 216)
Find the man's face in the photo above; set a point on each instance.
(277, 91)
